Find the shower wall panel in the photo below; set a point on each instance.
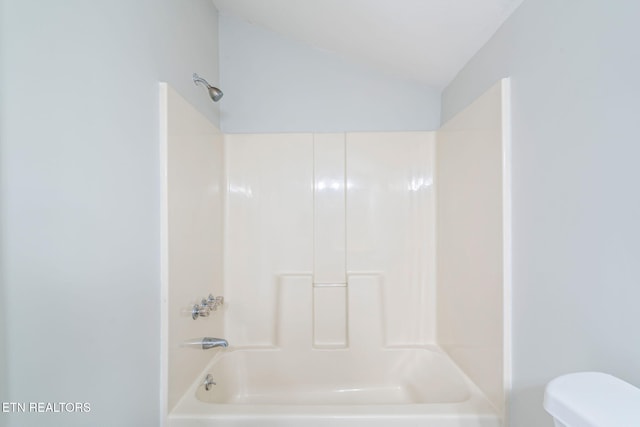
(268, 227)
(329, 269)
(191, 236)
(390, 228)
(293, 322)
(330, 240)
(471, 181)
(366, 311)
(330, 316)
(329, 208)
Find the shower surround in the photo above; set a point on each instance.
(330, 280)
(330, 240)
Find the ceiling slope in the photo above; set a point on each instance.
(428, 41)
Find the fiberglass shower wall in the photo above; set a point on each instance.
(330, 240)
(474, 241)
(192, 218)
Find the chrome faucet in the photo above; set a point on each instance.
(208, 342)
(205, 343)
(213, 302)
(206, 306)
(208, 382)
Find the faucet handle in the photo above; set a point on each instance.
(214, 302)
(201, 310)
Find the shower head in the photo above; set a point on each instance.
(214, 92)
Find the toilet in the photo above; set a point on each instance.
(592, 399)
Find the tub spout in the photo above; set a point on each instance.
(208, 342)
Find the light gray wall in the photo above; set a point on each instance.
(576, 283)
(274, 84)
(80, 196)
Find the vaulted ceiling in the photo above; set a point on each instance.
(424, 40)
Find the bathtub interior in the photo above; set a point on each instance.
(391, 387)
(328, 377)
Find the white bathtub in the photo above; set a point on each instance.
(322, 388)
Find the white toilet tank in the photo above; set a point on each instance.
(592, 399)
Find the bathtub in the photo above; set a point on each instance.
(338, 388)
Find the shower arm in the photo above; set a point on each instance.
(197, 79)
